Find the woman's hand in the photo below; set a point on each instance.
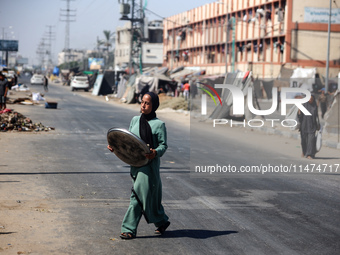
(152, 154)
(110, 148)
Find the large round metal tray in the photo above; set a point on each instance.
(128, 147)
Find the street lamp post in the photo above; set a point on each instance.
(328, 46)
(226, 41)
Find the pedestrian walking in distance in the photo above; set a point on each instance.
(4, 86)
(45, 83)
(309, 124)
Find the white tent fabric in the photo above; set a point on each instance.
(150, 81)
(332, 116)
(302, 78)
(121, 86)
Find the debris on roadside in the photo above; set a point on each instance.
(19, 97)
(14, 121)
(51, 105)
(20, 87)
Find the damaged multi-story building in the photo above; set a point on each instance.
(258, 35)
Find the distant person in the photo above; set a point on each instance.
(186, 90)
(309, 124)
(15, 79)
(45, 83)
(278, 99)
(4, 86)
(323, 102)
(193, 88)
(146, 197)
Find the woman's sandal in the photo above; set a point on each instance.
(161, 229)
(127, 235)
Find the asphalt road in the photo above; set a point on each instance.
(277, 213)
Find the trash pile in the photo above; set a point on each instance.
(27, 99)
(15, 121)
(20, 87)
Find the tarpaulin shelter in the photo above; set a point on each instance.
(303, 78)
(121, 87)
(176, 70)
(284, 77)
(241, 80)
(181, 75)
(56, 71)
(129, 93)
(332, 116)
(104, 83)
(93, 79)
(157, 83)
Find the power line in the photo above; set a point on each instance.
(69, 17)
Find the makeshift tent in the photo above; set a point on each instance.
(150, 83)
(93, 79)
(104, 83)
(332, 116)
(56, 71)
(303, 78)
(156, 83)
(268, 86)
(129, 93)
(284, 77)
(121, 86)
(177, 70)
(241, 80)
(181, 75)
(162, 70)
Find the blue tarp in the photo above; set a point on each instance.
(56, 71)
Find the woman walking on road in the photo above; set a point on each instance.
(309, 124)
(146, 197)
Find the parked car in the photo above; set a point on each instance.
(80, 82)
(37, 79)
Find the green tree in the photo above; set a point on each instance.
(108, 39)
(99, 43)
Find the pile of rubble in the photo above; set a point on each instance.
(15, 121)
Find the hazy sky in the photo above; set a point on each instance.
(28, 21)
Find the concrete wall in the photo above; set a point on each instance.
(153, 53)
(122, 51)
(317, 50)
(299, 8)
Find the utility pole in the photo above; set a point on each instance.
(136, 32)
(69, 17)
(50, 36)
(131, 37)
(41, 52)
(3, 38)
(328, 46)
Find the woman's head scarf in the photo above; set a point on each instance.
(145, 131)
